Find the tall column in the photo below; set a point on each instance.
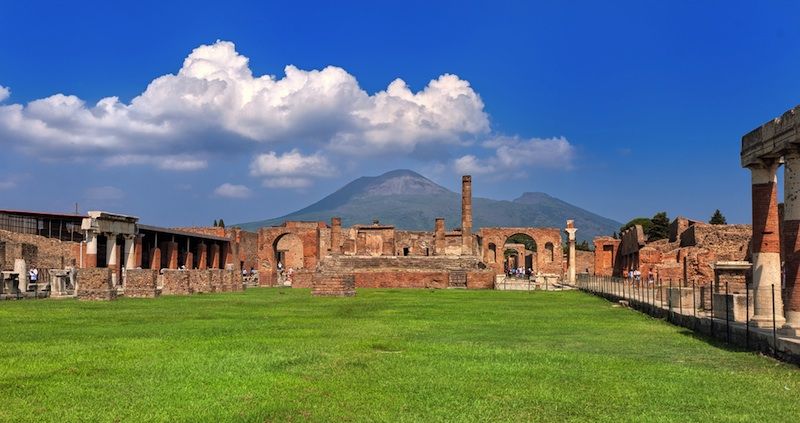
(336, 235)
(155, 258)
(91, 250)
(137, 261)
(571, 238)
(172, 255)
(112, 257)
(791, 226)
(766, 247)
(111, 250)
(130, 251)
(215, 256)
(202, 256)
(466, 215)
(439, 243)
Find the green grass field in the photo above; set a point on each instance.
(386, 355)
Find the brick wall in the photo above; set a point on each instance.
(175, 282)
(39, 251)
(333, 285)
(141, 283)
(94, 284)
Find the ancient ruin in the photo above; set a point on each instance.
(146, 261)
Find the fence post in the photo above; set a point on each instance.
(774, 334)
(669, 301)
(711, 315)
(727, 316)
(747, 316)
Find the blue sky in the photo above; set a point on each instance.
(624, 109)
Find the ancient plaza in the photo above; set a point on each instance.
(750, 269)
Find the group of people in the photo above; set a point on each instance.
(519, 272)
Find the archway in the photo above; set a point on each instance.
(289, 251)
(526, 249)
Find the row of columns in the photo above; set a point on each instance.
(133, 253)
(766, 244)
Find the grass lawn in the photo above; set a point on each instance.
(386, 355)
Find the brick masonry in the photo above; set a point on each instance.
(94, 284)
(333, 285)
(141, 283)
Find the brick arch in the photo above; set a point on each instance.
(268, 239)
(541, 236)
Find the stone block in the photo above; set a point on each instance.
(95, 284)
(141, 283)
(735, 305)
(199, 281)
(175, 282)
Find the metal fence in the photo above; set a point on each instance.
(692, 305)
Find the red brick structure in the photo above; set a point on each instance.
(548, 258)
(606, 260)
(94, 284)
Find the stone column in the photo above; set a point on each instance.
(111, 250)
(130, 251)
(439, 243)
(466, 215)
(766, 247)
(202, 256)
(791, 226)
(112, 255)
(571, 238)
(215, 256)
(336, 235)
(91, 250)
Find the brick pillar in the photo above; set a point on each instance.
(189, 260)
(172, 255)
(466, 215)
(336, 235)
(766, 247)
(215, 256)
(91, 250)
(137, 263)
(791, 239)
(438, 237)
(155, 258)
(571, 238)
(228, 254)
(202, 256)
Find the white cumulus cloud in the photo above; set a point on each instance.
(511, 156)
(4, 93)
(215, 104)
(290, 170)
(228, 190)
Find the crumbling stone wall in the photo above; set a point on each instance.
(542, 237)
(94, 284)
(199, 281)
(584, 261)
(418, 243)
(39, 251)
(308, 234)
(141, 283)
(175, 282)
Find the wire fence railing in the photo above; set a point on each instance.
(717, 310)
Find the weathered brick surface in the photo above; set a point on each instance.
(302, 279)
(94, 284)
(215, 280)
(333, 285)
(544, 237)
(141, 283)
(39, 251)
(480, 279)
(765, 218)
(199, 281)
(402, 279)
(175, 282)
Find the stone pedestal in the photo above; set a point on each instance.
(735, 304)
(58, 283)
(21, 269)
(682, 298)
(95, 284)
(333, 285)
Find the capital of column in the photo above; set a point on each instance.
(765, 172)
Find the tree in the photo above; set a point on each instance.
(718, 219)
(615, 236)
(221, 223)
(583, 246)
(644, 222)
(215, 223)
(659, 227)
(529, 243)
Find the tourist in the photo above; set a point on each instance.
(33, 274)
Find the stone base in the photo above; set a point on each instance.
(682, 298)
(736, 306)
(333, 285)
(765, 322)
